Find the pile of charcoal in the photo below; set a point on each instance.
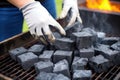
(71, 57)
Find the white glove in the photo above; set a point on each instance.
(38, 20)
(70, 5)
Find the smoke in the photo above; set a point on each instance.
(96, 20)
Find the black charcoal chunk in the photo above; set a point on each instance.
(46, 56)
(112, 55)
(92, 32)
(100, 47)
(100, 36)
(64, 44)
(109, 40)
(99, 64)
(87, 53)
(82, 75)
(62, 67)
(116, 46)
(76, 27)
(82, 39)
(44, 66)
(60, 77)
(89, 30)
(27, 60)
(36, 49)
(57, 35)
(79, 63)
(60, 55)
(17, 51)
(117, 76)
(76, 53)
(45, 76)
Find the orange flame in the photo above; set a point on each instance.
(103, 5)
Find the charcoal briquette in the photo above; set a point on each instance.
(76, 53)
(36, 49)
(62, 67)
(45, 76)
(57, 35)
(116, 46)
(93, 33)
(117, 77)
(79, 63)
(76, 27)
(64, 44)
(60, 55)
(46, 56)
(44, 66)
(100, 47)
(87, 53)
(110, 40)
(100, 36)
(82, 39)
(60, 77)
(27, 60)
(112, 55)
(16, 52)
(82, 75)
(99, 64)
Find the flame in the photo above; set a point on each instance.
(103, 5)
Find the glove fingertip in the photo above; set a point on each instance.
(53, 39)
(79, 19)
(63, 15)
(63, 32)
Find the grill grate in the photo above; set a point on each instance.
(110, 75)
(12, 69)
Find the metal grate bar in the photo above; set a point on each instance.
(22, 74)
(98, 77)
(94, 76)
(9, 69)
(27, 75)
(108, 73)
(17, 73)
(3, 65)
(31, 77)
(13, 71)
(114, 74)
(4, 60)
(3, 57)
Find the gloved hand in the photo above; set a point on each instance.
(73, 7)
(38, 20)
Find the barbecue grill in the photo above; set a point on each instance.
(11, 70)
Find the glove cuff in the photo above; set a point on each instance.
(29, 5)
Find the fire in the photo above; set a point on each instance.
(103, 5)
